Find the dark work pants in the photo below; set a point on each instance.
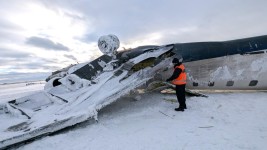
(180, 93)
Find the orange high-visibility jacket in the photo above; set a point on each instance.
(181, 79)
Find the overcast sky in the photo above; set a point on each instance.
(45, 35)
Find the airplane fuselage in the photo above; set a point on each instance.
(229, 65)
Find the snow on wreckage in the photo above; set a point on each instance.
(75, 94)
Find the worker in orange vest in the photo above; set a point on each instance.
(178, 78)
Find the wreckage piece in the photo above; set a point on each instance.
(75, 94)
(76, 98)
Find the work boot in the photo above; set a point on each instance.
(179, 109)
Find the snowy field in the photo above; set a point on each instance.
(232, 121)
(16, 90)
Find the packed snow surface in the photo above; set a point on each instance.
(233, 120)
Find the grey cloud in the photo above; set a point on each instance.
(9, 31)
(71, 57)
(45, 43)
(51, 68)
(9, 53)
(17, 60)
(7, 25)
(90, 38)
(34, 66)
(44, 64)
(24, 63)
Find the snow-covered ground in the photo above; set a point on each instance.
(221, 121)
(13, 86)
(22, 77)
(17, 90)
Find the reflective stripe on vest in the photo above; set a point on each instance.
(181, 79)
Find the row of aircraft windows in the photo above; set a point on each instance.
(257, 52)
(230, 83)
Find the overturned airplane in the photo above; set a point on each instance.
(76, 93)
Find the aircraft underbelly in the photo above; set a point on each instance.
(235, 72)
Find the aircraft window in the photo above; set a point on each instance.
(253, 83)
(230, 83)
(211, 84)
(257, 52)
(195, 84)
